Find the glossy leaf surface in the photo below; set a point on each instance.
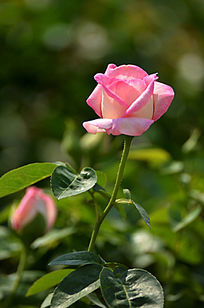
(66, 184)
(142, 213)
(131, 288)
(77, 258)
(76, 285)
(25, 176)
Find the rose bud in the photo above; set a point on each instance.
(127, 100)
(35, 214)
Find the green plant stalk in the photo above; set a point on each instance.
(127, 143)
(19, 274)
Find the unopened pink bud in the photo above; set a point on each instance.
(33, 203)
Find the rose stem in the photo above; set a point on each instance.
(19, 274)
(127, 143)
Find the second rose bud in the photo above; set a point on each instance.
(35, 214)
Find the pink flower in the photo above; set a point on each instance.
(33, 203)
(127, 100)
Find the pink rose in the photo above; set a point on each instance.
(33, 203)
(127, 100)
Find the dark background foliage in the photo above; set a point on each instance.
(50, 51)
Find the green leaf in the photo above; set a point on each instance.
(142, 213)
(140, 209)
(22, 177)
(191, 143)
(52, 237)
(131, 288)
(66, 184)
(127, 194)
(188, 219)
(76, 285)
(95, 300)
(47, 301)
(77, 258)
(154, 156)
(172, 168)
(197, 196)
(48, 281)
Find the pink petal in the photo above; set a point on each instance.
(148, 79)
(26, 209)
(146, 111)
(126, 71)
(106, 82)
(120, 126)
(34, 202)
(98, 125)
(109, 68)
(163, 96)
(94, 100)
(114, 92)
(141, 101)
(51, 210)
(117, 96)
(110, 108)
(138, 84)
(130, 126)
(125, 91)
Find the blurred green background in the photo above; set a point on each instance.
(50, 51)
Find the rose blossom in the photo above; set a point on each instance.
(33, 203)
(127, 100)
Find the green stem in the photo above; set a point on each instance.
(19, 274)
(127, 143)
(20, 269)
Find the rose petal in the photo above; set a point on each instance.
(120, 126)
(122, 92)
(127, 71)
(98, 125)
(94, 100)
(130, 126)
(163, 96)
(141, 101)
(125, 91)
(25, 211)
(34, 201)
(51, 210)
(146, 111)
(112, 105)
(127, 101)
(110, 108)
(110, 67)
(138, 84)
(106, 83)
